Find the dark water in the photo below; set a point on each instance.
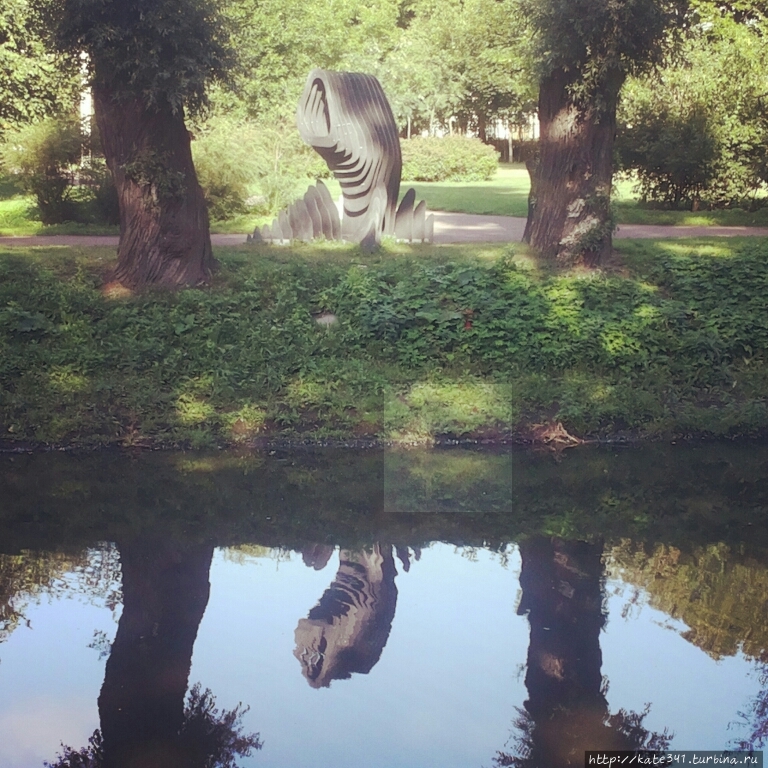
(445, 608)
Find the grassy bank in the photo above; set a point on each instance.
(464, 341)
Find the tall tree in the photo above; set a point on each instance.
(584, 50)
(150, 61)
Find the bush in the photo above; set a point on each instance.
(697, 131)
(101, 195)
(238, 162)
(43, 157)
(673, 154)
(225, 165)
(452, 158)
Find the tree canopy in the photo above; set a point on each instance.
(164, 52)
(34, 81)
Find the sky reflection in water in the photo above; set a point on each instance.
(379, 655)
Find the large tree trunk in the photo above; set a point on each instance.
(569, 217)
(164, 234)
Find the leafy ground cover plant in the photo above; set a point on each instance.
(453, 341)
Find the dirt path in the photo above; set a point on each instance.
(449, 228)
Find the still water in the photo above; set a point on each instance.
(443, 608)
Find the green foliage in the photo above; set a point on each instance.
(46, 159)
(504, 321)
(34, 82)
(697, 588)
(223, 152)
(669, 146)
(43, 157)
(102, 193)
(435, 60)
(451, 158)
(150, 168)
(163, 52)
(246, 165)
(423, 346)
(458, 60)
(697, 131)
(599, 42)
(280, 41)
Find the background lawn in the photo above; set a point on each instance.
(505, 195)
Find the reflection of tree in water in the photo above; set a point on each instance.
(755, 718)
(348, 628)
(566, 712)
(208, 738)
(143, 717)
(717, 592)
(26, 577)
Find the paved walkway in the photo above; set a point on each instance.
(449, 228)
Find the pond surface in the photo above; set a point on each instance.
(441, 608)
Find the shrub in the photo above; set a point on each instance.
(240, 161)
(225, 165)
(102, 194)
(673, 153)
(43, 157)
(451, 158)
(697, 130)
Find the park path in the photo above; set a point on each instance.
(449, 228)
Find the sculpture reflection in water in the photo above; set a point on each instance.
(144, 720)
(566, 712)
(348, 628)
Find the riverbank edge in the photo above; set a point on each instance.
(537, 437)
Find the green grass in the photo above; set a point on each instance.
(630, 211)
(17, 219)
(431, 341)
(505, 195)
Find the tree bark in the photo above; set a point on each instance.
(569, 219)
(165, 238)
(482, 132)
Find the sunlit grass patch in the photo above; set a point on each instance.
(193, 410)
(66, 381)
(504, 195)
(449, 407)
(14, 216)
(721, 248)
(245, 423)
